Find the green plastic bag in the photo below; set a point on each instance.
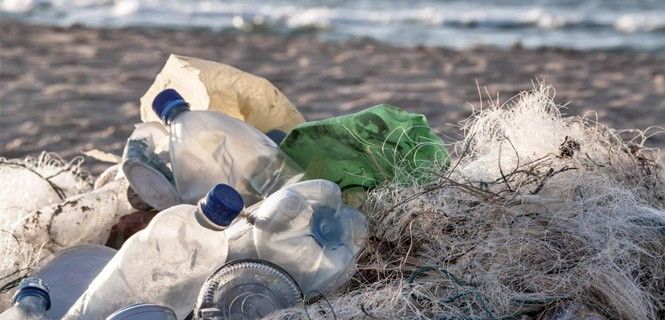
(361, 150)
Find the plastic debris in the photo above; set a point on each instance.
(361, 150)
(32, 183)
(144, 163)
(207, 148)
(31, 301)
(246, 289)
(143, 311)
(510, 212)
(79, 219)
(70, 272)
(167, 262)
(214, 86)
(306, 229)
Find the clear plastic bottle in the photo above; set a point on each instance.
(30, 302)
(70, 272)
(246, 289)
(143, 311)
(144, 163)
(167, 262)
(208, 147)
(307, 230)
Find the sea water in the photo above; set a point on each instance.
(636, 25)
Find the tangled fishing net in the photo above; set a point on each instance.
(32, 183)
(537, 211)
(27, 185)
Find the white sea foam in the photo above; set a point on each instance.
(16, 6)
(590, 24)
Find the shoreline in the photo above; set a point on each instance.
(90, 80)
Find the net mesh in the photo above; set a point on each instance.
(535, 212)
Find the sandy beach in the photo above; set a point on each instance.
(68, 90)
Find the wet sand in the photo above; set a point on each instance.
(75, 89)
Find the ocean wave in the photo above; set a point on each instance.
(345, 18)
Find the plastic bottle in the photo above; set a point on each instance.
(31, 301)
(79, 219)
(70, 272)
(143, 311)
(307, 230)
(144, 164)
(246, 289)
(167, 262)
(208, 147)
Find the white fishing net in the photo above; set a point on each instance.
(536, 211)
(32, 183)
(56, 208)
(27, 185)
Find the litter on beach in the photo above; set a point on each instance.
(227, 204)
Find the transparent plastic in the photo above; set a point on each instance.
(166, 263)
(28, 308)
(79, 219)
(143, 311)
(70, 272)
(246, 289)
(144, 163)
(30, 302)
(306, 229)
(208, 147)
(32, 183)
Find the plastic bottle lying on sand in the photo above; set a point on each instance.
(31, 301)
(307, 230)
(209, 147)
(83, 218)
(143, 311)
(246, 289)
(70, 272)
(167, 262)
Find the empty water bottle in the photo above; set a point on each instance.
(167, 262)
(70, 272)
(246, 289)
(31, 301)
(143, 311)
(306, 229)
(209, 147)
(144, 164)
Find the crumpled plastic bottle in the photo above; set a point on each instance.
(70, 272)
(167, 262)
(207, 148)
(246, 289)
(79, 219)
(144, 162)
(307, 230)
(31, 301)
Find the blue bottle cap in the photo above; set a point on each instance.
(276, 135)
(222, 204)
(33, 286)
(166, 101)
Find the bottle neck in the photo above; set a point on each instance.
(174, 112)
(204, 221)
(32, 304)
